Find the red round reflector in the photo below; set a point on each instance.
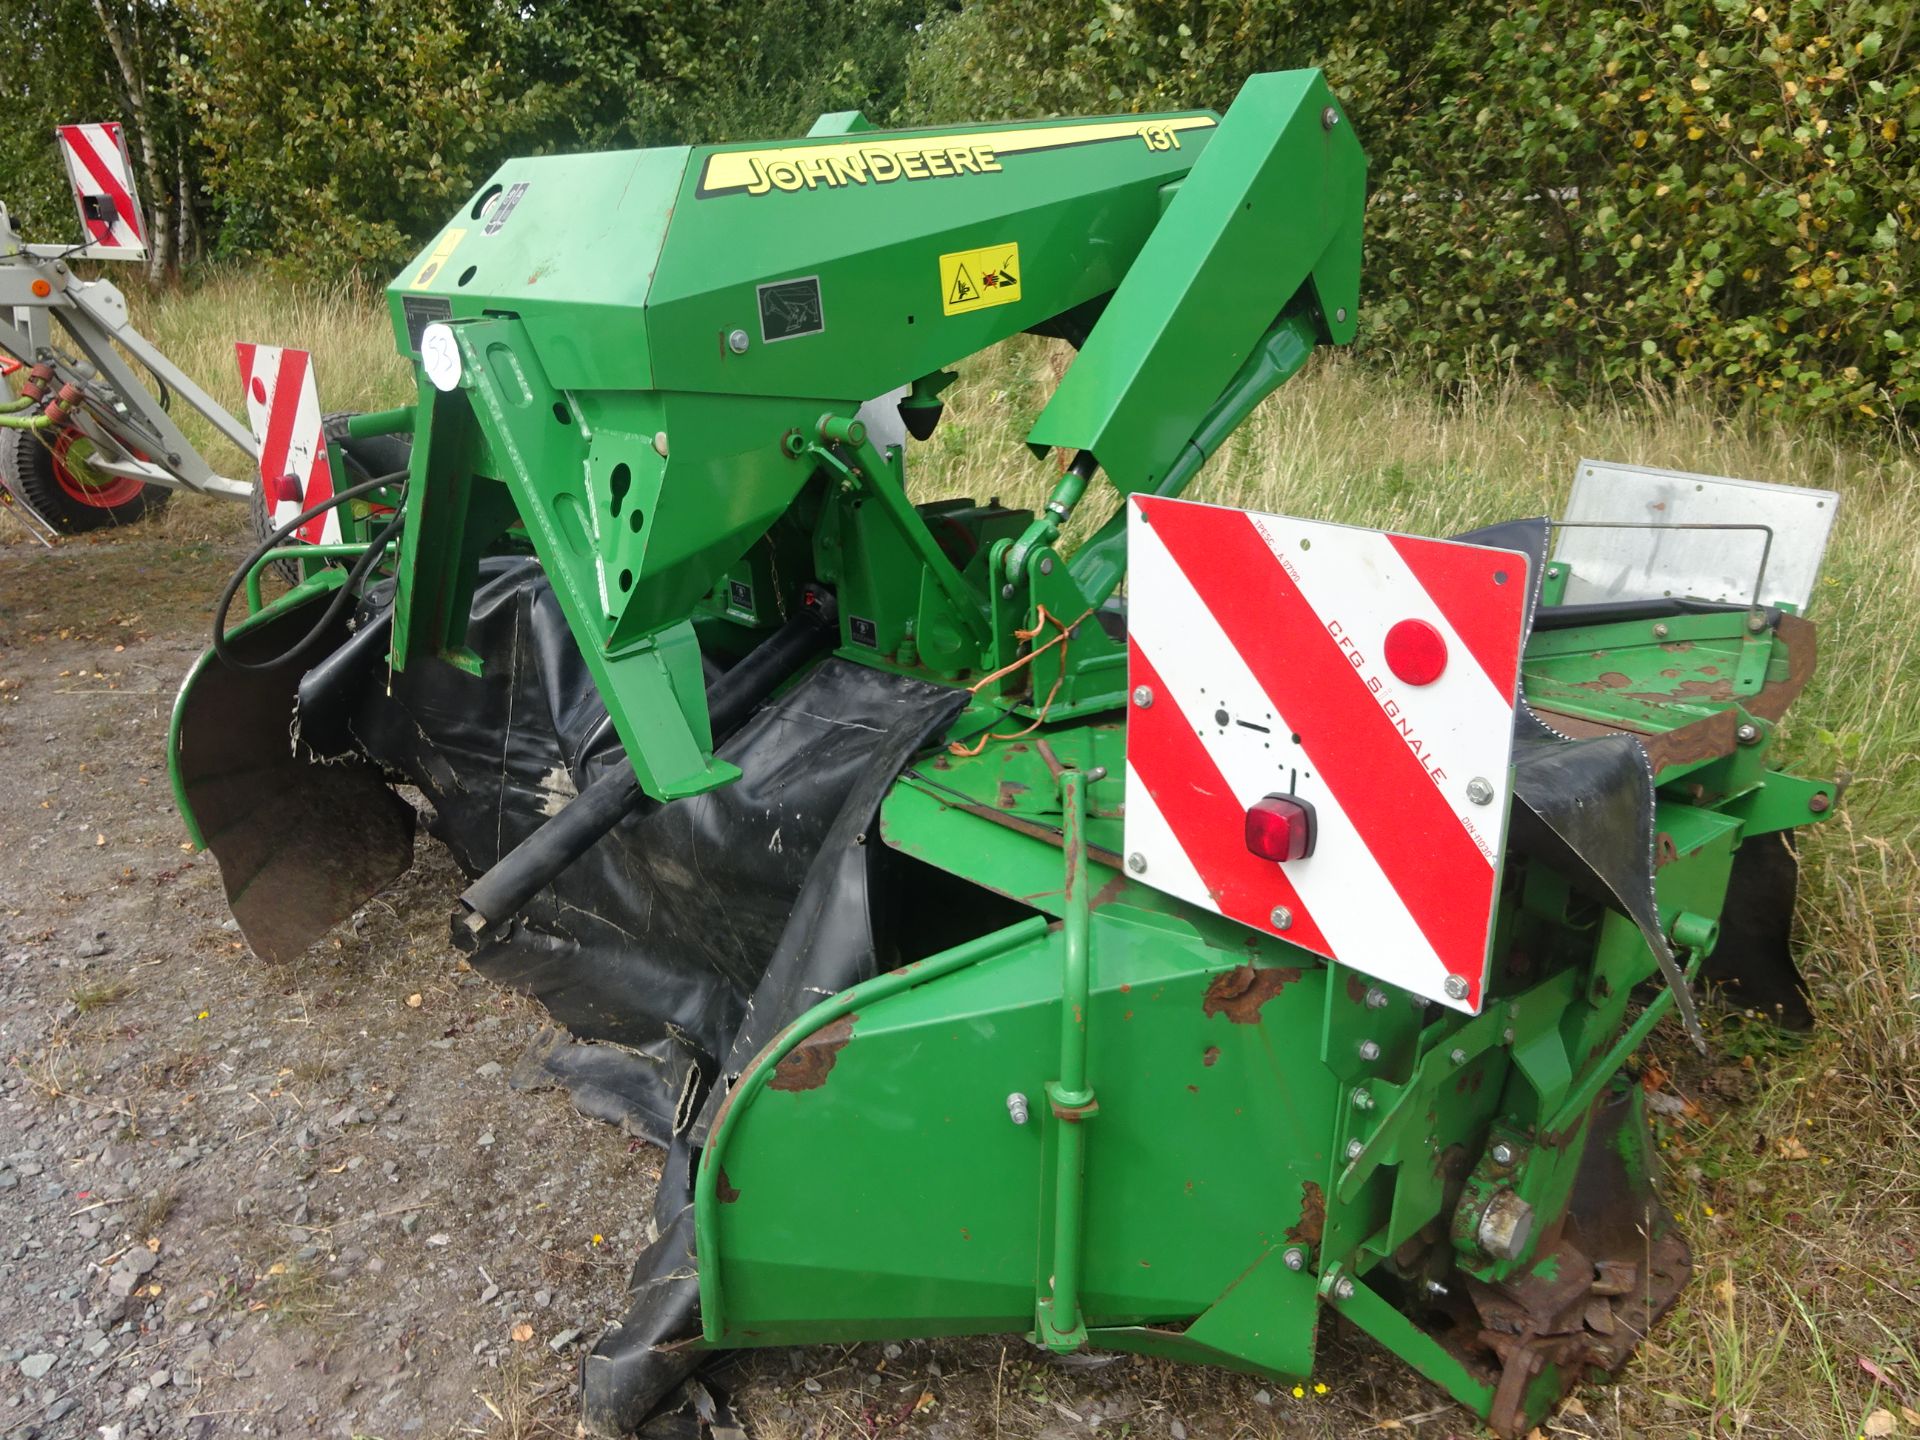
(1415, 652)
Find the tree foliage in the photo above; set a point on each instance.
(93, 60)
(1711, 191)
(50, 55)
(1714, 192)
(658, 72)
(340, 132)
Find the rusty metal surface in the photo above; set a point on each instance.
(1801, 639)
(1593, 1292)
(1708, 738)
(1239, 993)
(807, 1065)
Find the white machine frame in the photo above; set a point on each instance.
(50, 316)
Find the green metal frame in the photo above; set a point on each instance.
(1390, 1091)
(633, 407)
(1122, 1122)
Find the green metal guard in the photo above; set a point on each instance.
(341, 550)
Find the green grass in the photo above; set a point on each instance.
(1803, 1201)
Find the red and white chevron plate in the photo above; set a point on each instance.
(283, 410)
(1367, 678)
(102, 180)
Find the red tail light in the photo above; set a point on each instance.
(1280, 827)
(286, 488)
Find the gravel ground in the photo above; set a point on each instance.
(246, 1199)
(238, 1198)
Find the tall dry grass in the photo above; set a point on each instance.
(356, 364)
(1799, 1178)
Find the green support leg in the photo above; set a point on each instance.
(1057, 1318)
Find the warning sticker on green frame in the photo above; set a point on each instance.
(975, 279)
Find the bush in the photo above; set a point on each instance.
(1704, 191)
(340, 135)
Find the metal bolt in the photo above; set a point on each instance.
(1502, 1153)
(1819, 804)
(1747, 734)
(1661, 631)
(1362, 1100)
(1282, 918)
(1480, 791)
(1456, 987)
(1343, 1288)
(1017, 1108)
(1553, 572)
(1329, 118)
(1376, 998)
(1006, 592)
(1355, 1149)
(1137, 863)
(1436, 1289)
(1757, 621)
(1340, 314)
(1294, 1258)
(1458, 1056)
(660, 443)
(1369, 1050)
(1046, 564)
(738, 342)
(1143, 696)
(1505, 1227)
(1506, 1036)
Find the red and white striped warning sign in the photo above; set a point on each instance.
(1321, 732)
(283, 408)
(102, 179)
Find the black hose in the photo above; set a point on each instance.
(341, 598)
(534, 863)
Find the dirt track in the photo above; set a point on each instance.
(238, 1198)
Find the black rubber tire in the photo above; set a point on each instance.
(261, 524)
(27, 469)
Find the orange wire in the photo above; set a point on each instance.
(1065, 635)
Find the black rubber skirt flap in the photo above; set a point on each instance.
(684, 940)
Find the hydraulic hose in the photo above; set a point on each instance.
(342, 597)
(533, 864)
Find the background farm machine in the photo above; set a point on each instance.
(991, 950)
(84, 441)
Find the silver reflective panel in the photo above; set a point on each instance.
(1704, 537)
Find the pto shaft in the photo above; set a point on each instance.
(533, 864)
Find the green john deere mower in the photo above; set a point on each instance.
(991, 946)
